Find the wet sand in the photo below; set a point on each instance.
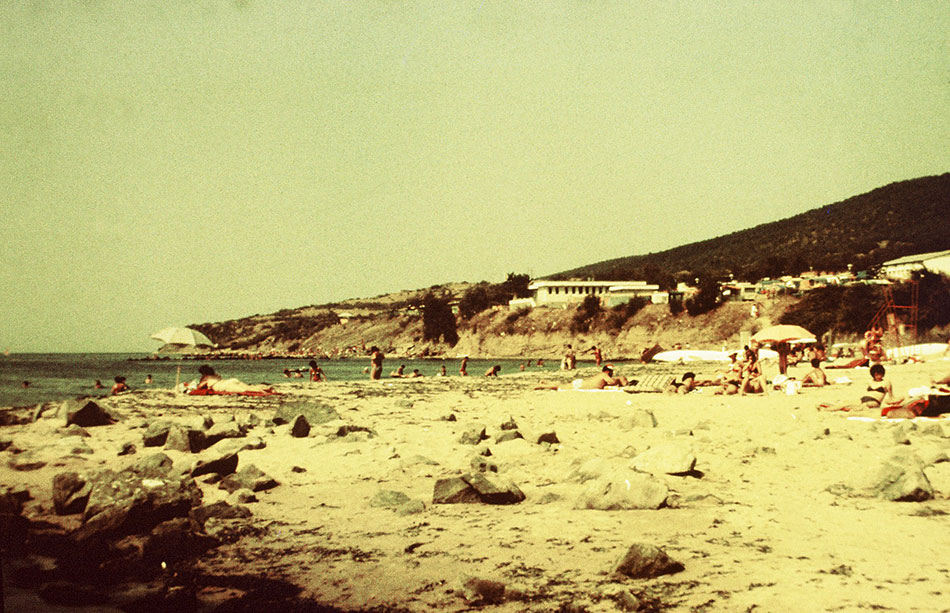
(772, 517)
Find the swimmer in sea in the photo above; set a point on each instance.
(120, 386)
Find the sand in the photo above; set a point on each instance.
(772, 518)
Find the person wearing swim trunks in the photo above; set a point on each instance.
(597, 382)
(463, 367)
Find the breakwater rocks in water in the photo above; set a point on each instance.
(457, 493)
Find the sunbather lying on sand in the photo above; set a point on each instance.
(597, 382)
(684, 386)
(212, 381)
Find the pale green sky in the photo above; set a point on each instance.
(166, 163)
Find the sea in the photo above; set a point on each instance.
(58, 376)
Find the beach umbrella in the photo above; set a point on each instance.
(181, 336)
(784, 333)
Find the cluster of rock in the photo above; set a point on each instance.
(478, 486)
(134, 522)
(902, 474)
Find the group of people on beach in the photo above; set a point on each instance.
(315, 373)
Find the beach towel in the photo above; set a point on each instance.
(852, 364)
(209, 392)
(650, 384)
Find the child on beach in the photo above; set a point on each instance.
(493, 371)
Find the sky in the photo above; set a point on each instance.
(169, 162)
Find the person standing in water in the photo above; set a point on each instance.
(316, 373)
(376, 363)
(463, 367)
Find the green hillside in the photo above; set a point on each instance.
(892, 221)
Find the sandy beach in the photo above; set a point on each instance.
(772, 505)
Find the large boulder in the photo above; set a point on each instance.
(223, 430)
(472, 434)
(157, 433)
(70, 493)
(250, 477)
(186, 438)
(129, 502)
(670, 459)
(301, 427)
(625, 490)
(643, 561)
(219, 510)
(153, 465)
(219, 464)
(84, 412)
(638, 418)
(313, 411)
(475, 488)
(901, 478)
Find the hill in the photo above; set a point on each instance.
(889, 222)
(895, 220)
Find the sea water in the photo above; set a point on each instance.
(57, 376)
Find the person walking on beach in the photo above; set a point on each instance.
(598, 357)
(376, 363)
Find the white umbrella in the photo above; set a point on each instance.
(181, 336)
(784, 333)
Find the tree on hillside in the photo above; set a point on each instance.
(438, 321)
(654, 274)
(516, 286)
(585, 314)
(706, 299)
(474, 301)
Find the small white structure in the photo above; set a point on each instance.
(903, 268)
(565, 293)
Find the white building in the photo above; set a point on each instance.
(566, 293)
(903, 268)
